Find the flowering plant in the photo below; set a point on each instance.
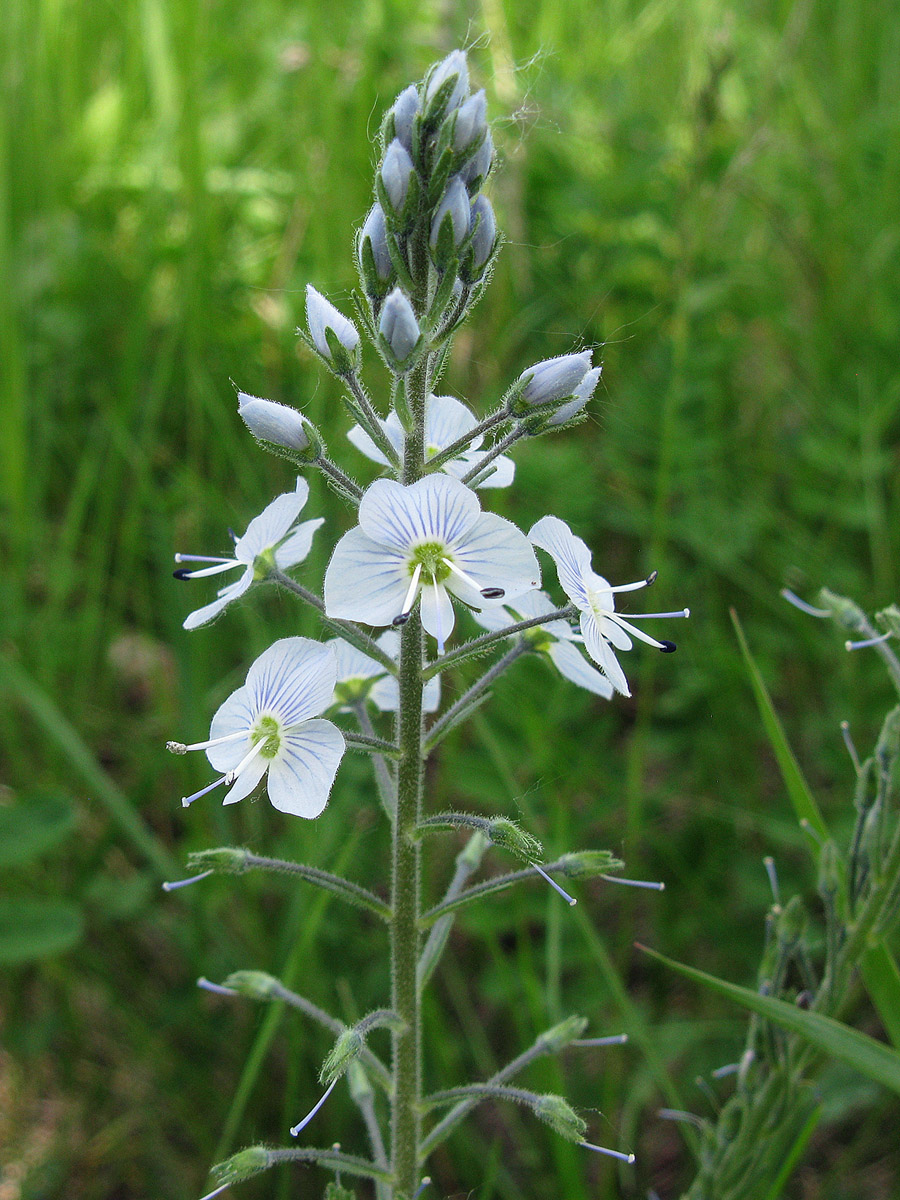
(422, 552)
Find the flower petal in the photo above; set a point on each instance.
(352, 663)
(295, 548)
(501, 470)
(602, 654)
(572, 664)
(293, 680)
(613, 632)
(200, 616)
(436, 508)
(247, 780)
(385, 694)
(496, 554)
(301, 775)
(361, 440)
(272, 524)
(365, 581)
(233, 715)
(446, 420)
(571, 555)
(438, 617)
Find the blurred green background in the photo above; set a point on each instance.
(709, 192)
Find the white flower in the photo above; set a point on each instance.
(431, 537)
(272, 540)
(601, 626)
(446, 421)
(555, 639)
(266, 726)
(359, 676)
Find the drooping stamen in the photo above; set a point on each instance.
(218, 988)
(638, 883)
(180, 883)
(489, 593)
(627, 1158)
(426, 1182)
(183, 573)
(186, 801)
(181, 748)
(570, 900)
(437, 610)
(295, 1129)
(410, 600)
(207, 558)
(809, 609)
(682, 612)
(872, 641)
(246, 761)
(634, 587)
(217, 1192)
(851, 748)
(638, 633)
(615, 1039)
(769, 864)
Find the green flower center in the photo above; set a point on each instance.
(267, 729)
(430, 555)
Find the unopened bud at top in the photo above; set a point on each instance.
(553, 379)
(450, 73)
(321, 315)
(398, 326)
(475, 170)
(454, 208)
(580, 397)
(374, 233)
(403, 114)
(276, 423)
(471, 122)
(396, 172)
(484, 236)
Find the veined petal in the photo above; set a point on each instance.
(200, 616)
(572, 664)
(234, 714)
(436, 508)
(385, 694)
(614, 633)
(247, 780)
(293, 680)
(496, 554)
(571, 555)
(272, 524)
(361, 440)
(352, 663)
(602, 653)
(300, 777)
(438, 617)
(502, 469)
(446, 420)
(365, 581)
(297, 545)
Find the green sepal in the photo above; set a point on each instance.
(587, 864)
(337, 1191)
(559, 1036)
(374, 286)
(890, 618)
(257, 985)
(225, 860)
(243, 1165)
(501, 831)
(561, 1117)
(351, 1042)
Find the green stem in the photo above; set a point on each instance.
(344, 485)
(480, 644)
(477, 472)
(371, 745)
(463, 443)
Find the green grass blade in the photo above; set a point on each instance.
(805, 806)
(882, 979)
(872, 1059)
(795, 1153)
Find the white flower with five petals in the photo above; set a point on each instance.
(359, 676)
(556, 639)
(601, 626)
(429, 538)
(267, 727)
(272, 540)
(446, 421)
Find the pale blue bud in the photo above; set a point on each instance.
(376, 231)
(485, 227)
(470, 121)
(453, 65)
(454, 204)
(480, 163)
(580, 397)
(398, 325)
(404, 112)
(396, 170)
(321, 315)
(554, 378)
(271, 422)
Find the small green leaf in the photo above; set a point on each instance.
(33, 928)
(32, 826)
(872, 1059)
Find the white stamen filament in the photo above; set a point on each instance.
(410, 593)
(246, 761)
(627, 1158)
(466, 578)
(638, 883)
(724, 1072)
(769, 864)
(426, 1182)
(570, 900)
(204, 571)
(872, 641)
(181, 748)
(180, 883)
(809, 609)
(202, 558)
(437, 609)
(635, 587)
(312, 1112)
(633, 630)
(851, 748)
(186, 801)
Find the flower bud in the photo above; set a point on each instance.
(322, 316)
(484, 236)
(470, 122)
(549, 381)
(398, 326)
(475, 171)
(255, 984)
(506, 833)
(342, 1053)
(453, 208)
(277, 423)
(561, 1117)
(374, 233)
(580, 397)
(396, 172)
(562, 1035)
(791, 922)
(242, 1165)
(450, 78)
(403, 114)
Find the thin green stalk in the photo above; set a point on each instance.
(375, 429)
(495, 451)
(462, 443)
(376, 745)
(446, 721)
(480, 644)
